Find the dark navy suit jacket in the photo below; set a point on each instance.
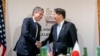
(67, 37)
(27, 39)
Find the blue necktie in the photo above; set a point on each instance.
(58, 30)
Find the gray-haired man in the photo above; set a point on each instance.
(30, 34)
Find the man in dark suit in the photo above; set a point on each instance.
(30, 34)
(63, 34)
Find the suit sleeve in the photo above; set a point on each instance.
(50, 38)
(73, 34)
(25, 31)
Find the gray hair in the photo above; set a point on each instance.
(37, 9)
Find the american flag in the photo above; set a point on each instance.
(49, 49)
(2, 32)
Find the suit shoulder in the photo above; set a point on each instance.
(27, 19)
(67, 22)
(72, 25)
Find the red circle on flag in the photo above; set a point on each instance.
(75, 53)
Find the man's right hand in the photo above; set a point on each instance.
(38, 44)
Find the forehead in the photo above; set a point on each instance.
(41, 11)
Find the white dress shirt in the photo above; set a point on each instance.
(59, 26)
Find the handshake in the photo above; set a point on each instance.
(38, 44)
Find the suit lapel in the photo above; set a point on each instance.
(55, 32)
(33, 23)
(64, 27)
(61, 31)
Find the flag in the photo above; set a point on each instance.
(49, 49)
(46, 50)
(76, 50)
(2, 32)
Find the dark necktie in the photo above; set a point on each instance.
(36, 29)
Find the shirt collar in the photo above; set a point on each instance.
(34, 19)
(61, 23)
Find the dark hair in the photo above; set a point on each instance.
(37, 9)
(60, 11)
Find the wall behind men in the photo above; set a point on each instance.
(83, 13)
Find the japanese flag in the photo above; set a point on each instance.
(76, 50)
